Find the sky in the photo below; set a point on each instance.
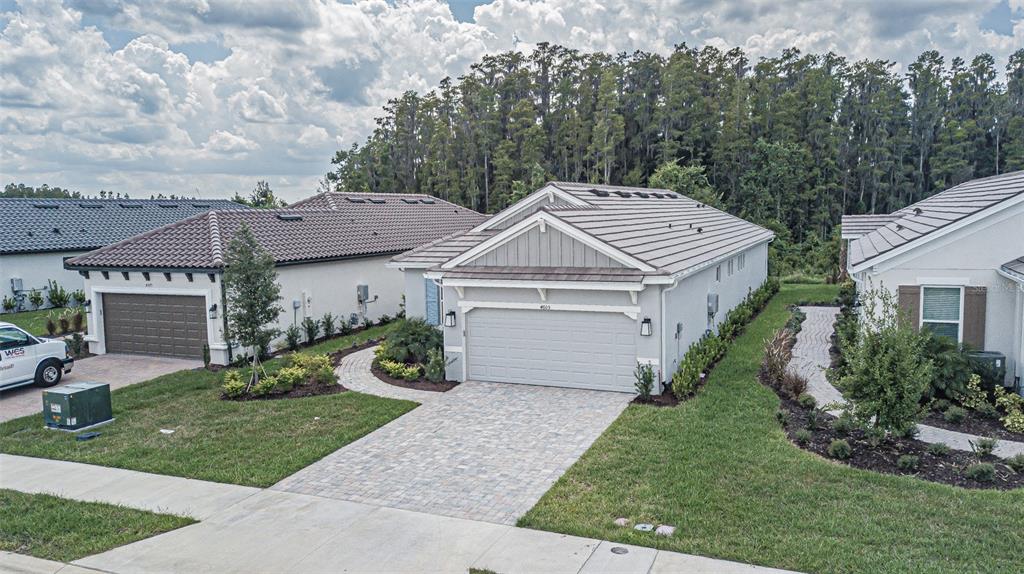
(205, 97)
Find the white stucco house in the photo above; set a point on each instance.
(160, 293)
(38, 235)
(956, 262)
(576, 283)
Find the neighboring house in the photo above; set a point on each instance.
(956, 262)
(39, 234)
(576, 283)
(161, 292)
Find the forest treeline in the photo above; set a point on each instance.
(792, 142)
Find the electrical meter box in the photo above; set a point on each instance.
(77, 406)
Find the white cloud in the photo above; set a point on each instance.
(301, 79)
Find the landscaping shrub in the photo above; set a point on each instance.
(644, 384)
(796, 319)
(988, 410)
(954, 415)
(807, 401)
(1016, 462)
(434, 368)
(64, 320)
(941, 404)
(289, 377)
(845, 423)
(411, 339)
(57, 295)
(982, 472)
(973, 396)
(952, 366)
(802, 436)
(777, 354)
(234, 385)
(874, 436)
(938, 449)
(782, 416)
(908, 462)
(813, 417)
(887, 372)
(9, 304)
(78, 297)
(35, 298)
(1014, 422)
(329, 324)
(311, 327)
(399, 370)
(293, 337)
(76, 344)
(78, 321)
(793, 384)
(839, 449)
(51, 325)
(264, 386)
(1013, 405)
(984, 447)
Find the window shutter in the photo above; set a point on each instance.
(432, 312)
(910, 304)
(975, 299)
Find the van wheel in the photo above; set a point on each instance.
(49, 374)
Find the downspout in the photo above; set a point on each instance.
(664, 365)
(224, 316)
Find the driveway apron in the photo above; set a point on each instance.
(481, 451)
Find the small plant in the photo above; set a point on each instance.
(1014, 422)
(644, 384)
(57, 295)
(845, 423)
(293, 337)
(941, 405)
(981, 472)
(311, 327)
(329, 324)
(1016, 462)
(984, 447)
(782, 416)
(9, 303)
(777, 354)
(435, 366)
(974, 396)
(78, 297)
(384, 320)
(344, 327)
(794, 384)
(988, 410)
(77, 321)
(802, 436)
(813, 418)
(399, 370)
(954, 415)
(1013, 405)
(35, 298)
(410, 340)
(76, 344)
(290, 377)
(839, 449)
(874, 436)
(64, 320)
(938, 449)
(908, 463)
(807, 401)
(264, 386)
(234, 384)
(51, 325)
(206, 356)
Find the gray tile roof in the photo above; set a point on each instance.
(290, 235)
(355, 201)
(668, 231)
(915, 222)
(39, 225)
(1015, 267)
(854, 226)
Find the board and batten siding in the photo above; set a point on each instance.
(550, 248)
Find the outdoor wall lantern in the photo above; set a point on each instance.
(645, 327)
(449, 319)
(213, 311)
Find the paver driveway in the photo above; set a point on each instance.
(481, 451)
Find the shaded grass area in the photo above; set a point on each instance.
(40, 525)
(720, 468)
(32, 321)
(253, 443)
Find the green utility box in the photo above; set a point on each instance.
(77, 406)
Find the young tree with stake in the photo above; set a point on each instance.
(252, 292)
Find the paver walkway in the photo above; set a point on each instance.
(354, 373)
(277, 532)
(116, 370)
(481, 451)
(811, 359)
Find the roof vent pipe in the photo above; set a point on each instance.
(917, 211)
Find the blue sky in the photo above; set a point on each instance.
(206, 97)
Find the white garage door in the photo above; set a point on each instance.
(556, 348)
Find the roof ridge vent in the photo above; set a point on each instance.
(410, 201)
(131, 205)
(355, 200)
(289, 217)
(45, 206)
(376, 200)
(201, 205)
(428, 200)
(642, 194)
(599, 192)
(91, 205)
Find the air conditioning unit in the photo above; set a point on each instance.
(991, 364)
(77, 406)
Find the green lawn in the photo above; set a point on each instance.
(59, 529)
(253, 443)
(720, 468)
(32, 321)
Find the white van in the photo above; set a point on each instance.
(25, 359)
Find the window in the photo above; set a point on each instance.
(718, 273)
(11, 338)
(742, 260)
(941, 311)
(730, 267)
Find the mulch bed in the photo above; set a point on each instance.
(882, 458)
(420, 384)
(299, 391)
(665, 399)
(976, 424)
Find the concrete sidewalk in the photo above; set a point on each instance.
(270, 531)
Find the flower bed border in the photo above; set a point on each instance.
(420, 384)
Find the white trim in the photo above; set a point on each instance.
(547, 192)
(944, 281)
(525, 284)
(535, 219)
(403, 265)
(98, 327)
(630, 311)
(1011, 275)
(1004, 206)
(959, 322)
(448, 349)
(652, 362)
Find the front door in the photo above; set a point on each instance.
(17, 356)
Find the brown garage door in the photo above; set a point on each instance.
(173, 325)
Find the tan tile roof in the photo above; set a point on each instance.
(916, 222)
(290, 235)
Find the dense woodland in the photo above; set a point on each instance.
(792, 142)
